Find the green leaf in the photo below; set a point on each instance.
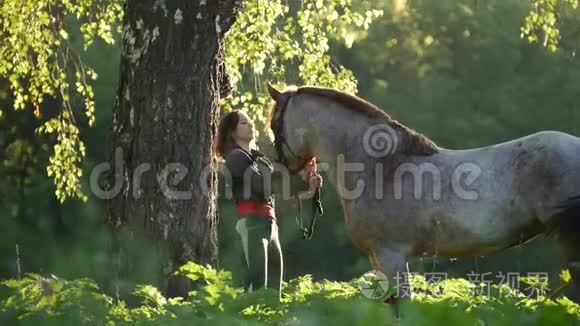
(565, 276)
(63, 34)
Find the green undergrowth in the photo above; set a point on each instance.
(49, 300)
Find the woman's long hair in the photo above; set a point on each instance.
(225, 141)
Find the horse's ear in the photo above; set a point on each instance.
(274, 93)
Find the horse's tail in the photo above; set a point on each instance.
(566, 222)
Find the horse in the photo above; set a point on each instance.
(404, 196)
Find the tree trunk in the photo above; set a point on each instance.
(164, 122)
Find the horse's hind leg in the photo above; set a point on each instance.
(566, 224)
(571, 251)
(393, 264)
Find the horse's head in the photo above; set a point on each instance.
(290, 139)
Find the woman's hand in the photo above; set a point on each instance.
(311, 176)
(315, 181)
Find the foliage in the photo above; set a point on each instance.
(38, 60)
(217, 286)
(456, 70)
(270, 40)
(34, 298)
(283, 42)
(541, 24)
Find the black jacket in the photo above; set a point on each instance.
(259, 169)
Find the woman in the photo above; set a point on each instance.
(256, 225)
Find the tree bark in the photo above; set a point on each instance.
(164, 122)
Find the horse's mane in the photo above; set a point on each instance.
(414, 143)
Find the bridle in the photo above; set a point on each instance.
(279, 141)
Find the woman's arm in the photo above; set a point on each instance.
(282, 182)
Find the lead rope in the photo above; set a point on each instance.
(316, 209)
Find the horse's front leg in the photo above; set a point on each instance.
(393, 263)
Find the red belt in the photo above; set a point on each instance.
(246, 207)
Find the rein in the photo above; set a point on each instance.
(279, 141)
